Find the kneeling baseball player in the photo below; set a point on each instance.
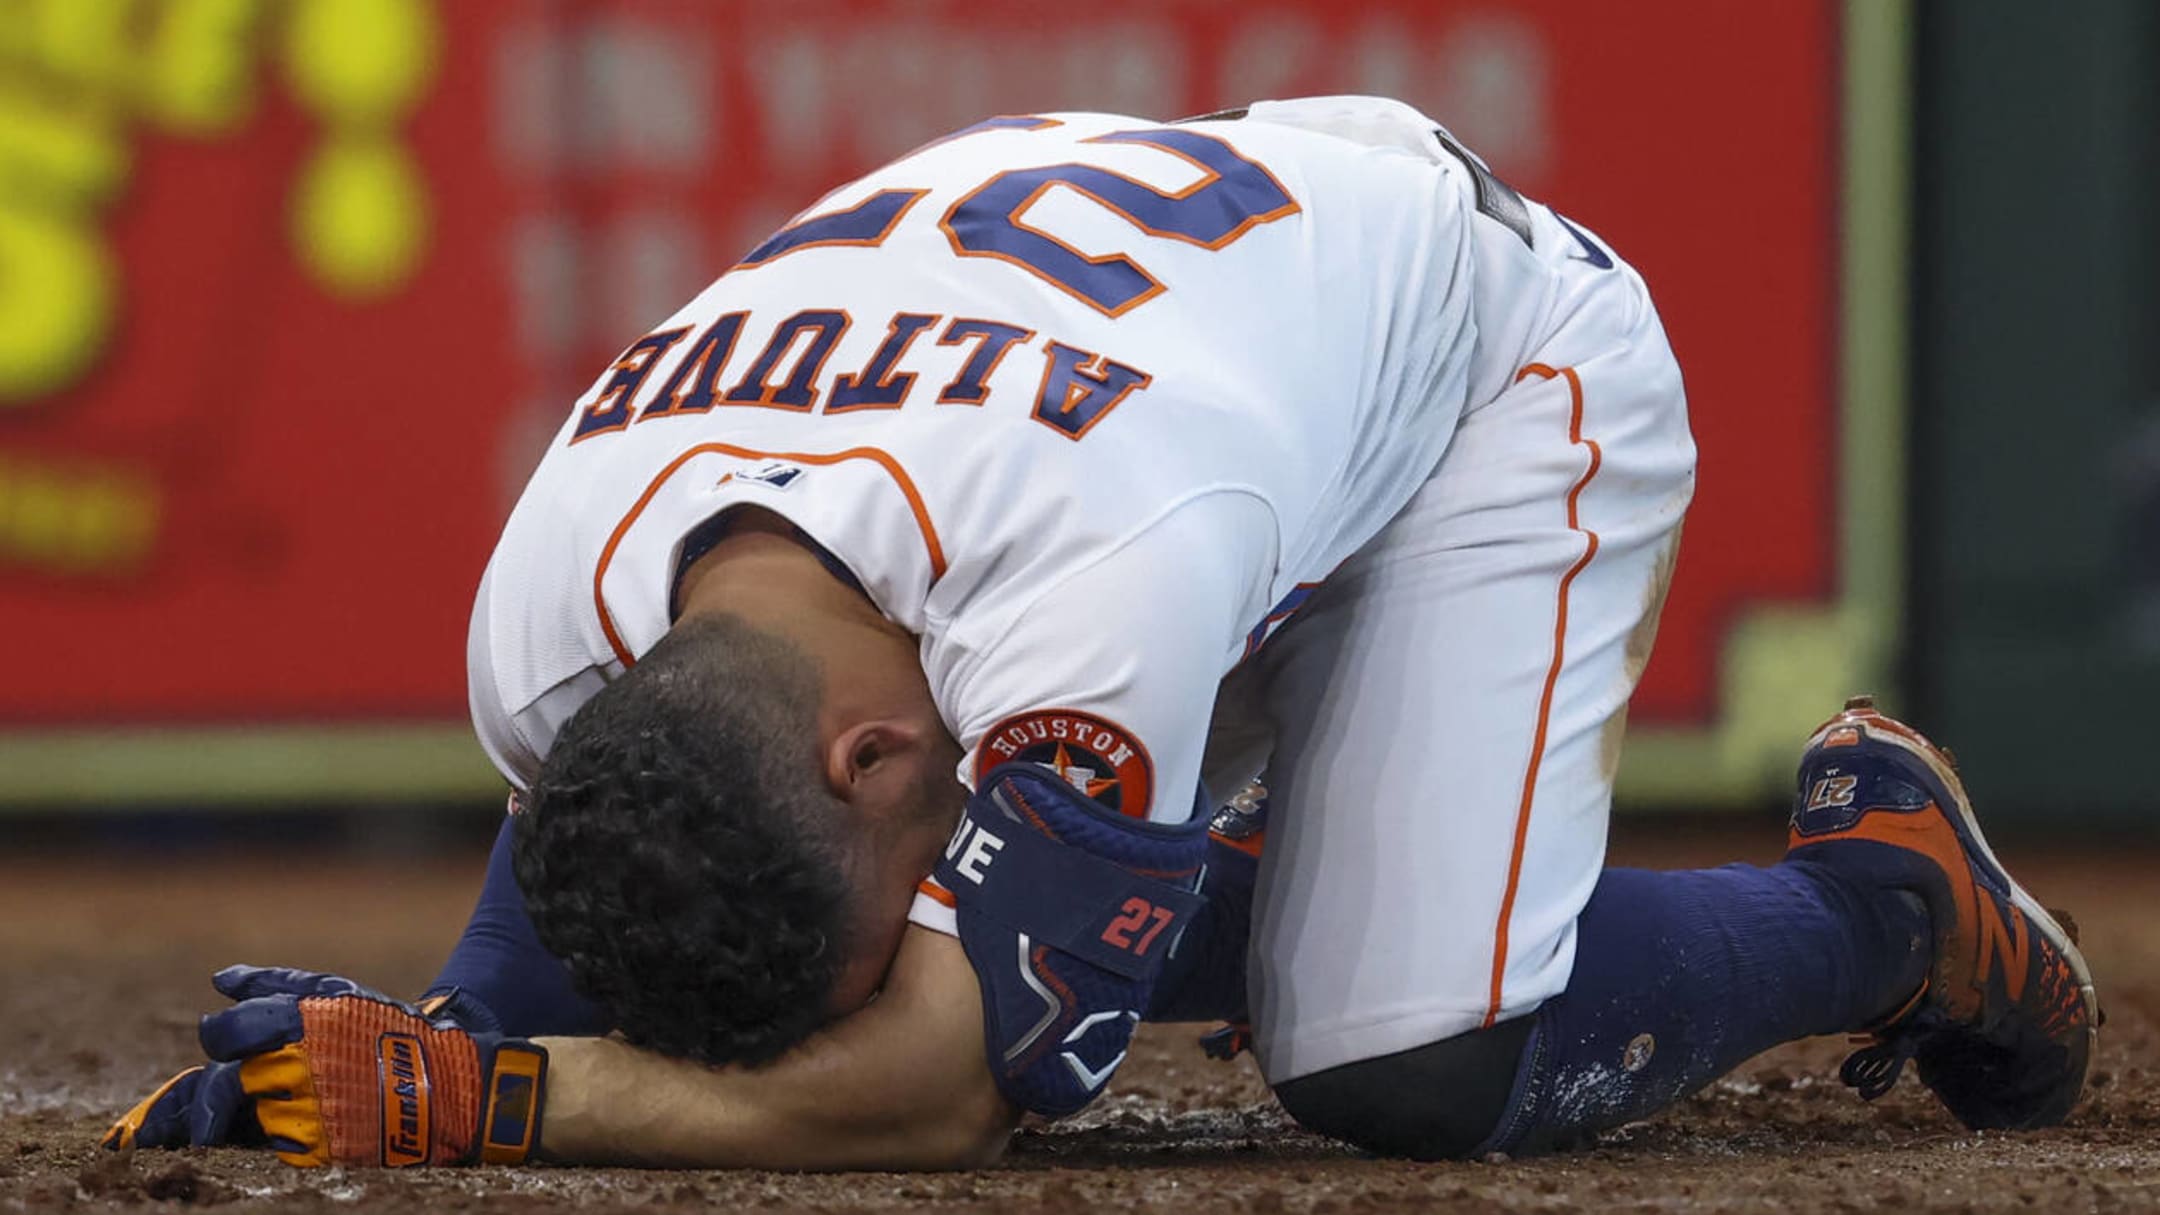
(977, 522)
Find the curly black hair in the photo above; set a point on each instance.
(680, 852)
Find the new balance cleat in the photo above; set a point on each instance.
(2004, 1026)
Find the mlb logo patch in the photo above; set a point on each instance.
(775, 473)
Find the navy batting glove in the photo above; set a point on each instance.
(202, 1106)
(248, 982)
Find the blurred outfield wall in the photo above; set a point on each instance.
(2035, 619)
(291, 291)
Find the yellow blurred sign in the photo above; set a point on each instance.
(81, 80)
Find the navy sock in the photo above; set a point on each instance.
(1682, 976)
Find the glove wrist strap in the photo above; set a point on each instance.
(461, 1006)
(510, 1114)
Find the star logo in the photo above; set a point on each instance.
(1079, 776)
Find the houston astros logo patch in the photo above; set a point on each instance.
(1095, 756)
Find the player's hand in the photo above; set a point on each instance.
(329, 1072)
(203, 1106)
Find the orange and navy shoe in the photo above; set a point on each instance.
(2004, 1026)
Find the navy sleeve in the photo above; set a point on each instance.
(500, 966)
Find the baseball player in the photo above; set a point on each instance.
(978, 521)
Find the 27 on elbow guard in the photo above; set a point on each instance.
(1067, 911)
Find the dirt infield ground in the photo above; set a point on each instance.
(103, 966)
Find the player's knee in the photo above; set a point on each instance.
(1435, 1102)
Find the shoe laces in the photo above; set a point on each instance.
(1874, 1069)
(1892, 1042)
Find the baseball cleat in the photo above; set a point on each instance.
(2004, 1026)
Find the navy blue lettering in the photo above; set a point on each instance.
(700, 366)
(1080, 388)
(992, 342)
(611, 409)
(876, 386)
(796, 394)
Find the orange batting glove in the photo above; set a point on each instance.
(334, 1073)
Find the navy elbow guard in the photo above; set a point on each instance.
(1066, 910)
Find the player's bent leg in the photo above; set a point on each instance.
(1678, 978)
(1682, 976)
(1889, 914)
(1448, 709)
(1441, 1101)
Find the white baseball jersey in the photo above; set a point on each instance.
(1090, 404)
(1077, 399)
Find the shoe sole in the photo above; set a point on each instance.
(1900, 735)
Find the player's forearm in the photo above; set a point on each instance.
(610, 1103)
(900, 1085)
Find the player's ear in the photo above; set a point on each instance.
(876, 766)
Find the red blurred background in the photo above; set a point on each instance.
(291, 295)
